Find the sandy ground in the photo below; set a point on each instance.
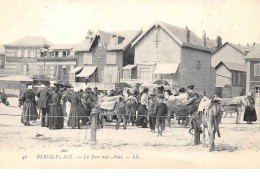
(238, 146)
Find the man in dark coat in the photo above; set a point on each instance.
(161, 112)
(43, 103)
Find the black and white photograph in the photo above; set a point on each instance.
(130, 84)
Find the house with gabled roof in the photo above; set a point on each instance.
(175, 54)
(252, 61)
(230, 79)
(102, 55)
(230, 53)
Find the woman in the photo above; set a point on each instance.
(250, 112)
(29, 107)
(56, 120)
(142, 109)
(75, 111)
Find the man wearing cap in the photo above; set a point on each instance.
(161, 112)
(43, 103)
(136, 92)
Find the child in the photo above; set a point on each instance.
(161, 112)
(151, 108)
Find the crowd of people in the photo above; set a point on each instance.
(51, 102)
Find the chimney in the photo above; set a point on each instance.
(203, 39)
(219, 41)
(187, 31)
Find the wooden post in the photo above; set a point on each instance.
(196, 136)
(196, 124)
(93, 116)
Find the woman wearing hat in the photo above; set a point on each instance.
(142, 109)
(56, 120)
(29, 106)
(75, 111)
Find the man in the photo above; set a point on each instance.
(190, 92)
(136, 91)
(43, 103)
(161, 112)
(151, 109)
(83, 86)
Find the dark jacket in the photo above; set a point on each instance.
(75, 100)
(28, 96)
(161, 110)
(151, 107)
(44, 96)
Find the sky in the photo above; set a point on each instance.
(67, 21)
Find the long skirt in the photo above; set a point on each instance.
(74, 117)
(63, 107)
(250, 115)
(141, 117)
(29, 113)
(56, 121)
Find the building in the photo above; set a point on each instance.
(230, 79)
(21, 54)
(2, 57)
(176, 54)
(230, 53)
(102, 55)
(252, 61)
(56, 62)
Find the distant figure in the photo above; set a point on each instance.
(136, 91)
(142, 109)
(75, 111)
(161, 112)
(43, 103)
(29, 107)
(55, 118)
(151, 110)
(250, 112)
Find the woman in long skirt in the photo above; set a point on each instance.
(75, 110)
(29, 107)
(56, 120)
(250, 112)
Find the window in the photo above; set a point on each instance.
(111, 58)
(29, 53)
(127, 74)
(110, 75)
(157, 36)
(19, 53)
(56, 54)
(26, 53)
(87, 58)
(22, 53)
(256, 69)
(233, 78)
(239, 78)
(145, 73)
(64, 53)
(198, 64)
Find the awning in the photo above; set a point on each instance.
(87, 71)
(43, 50)
(166, 68)
(129, 66)
(75, 70)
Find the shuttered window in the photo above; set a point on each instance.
(110, 75)
(256, 69)
(111, 58)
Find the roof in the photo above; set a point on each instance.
(255, 52)
(63, 46)
(177, 33)
(30, 41)
(87, 71)
(239, 48)
(232, 66)
(75, 70)
(128, 38)
(129, 66)
(17, 78)
(166, 68)
(87, 43)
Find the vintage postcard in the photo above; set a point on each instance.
(166, 84)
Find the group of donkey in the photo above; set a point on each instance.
(126, 110)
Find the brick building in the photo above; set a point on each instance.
(102, 55)
(176, 54)
(21, 54)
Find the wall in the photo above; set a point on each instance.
(167, 50)
(252, 77)
(189, 74)
(223, 76)
(229, 54)
(232, 92)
